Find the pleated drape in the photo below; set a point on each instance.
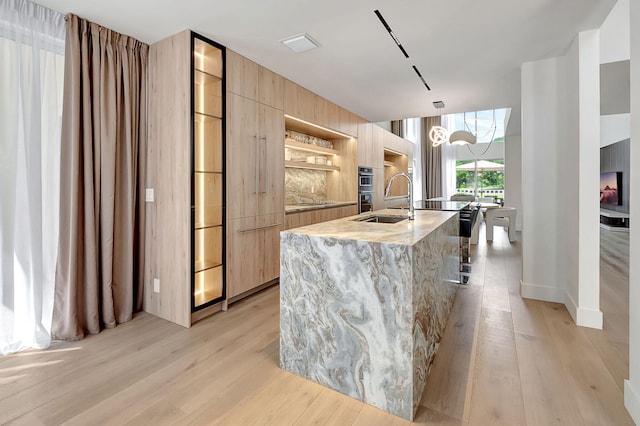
(99, 273)
(431, 160)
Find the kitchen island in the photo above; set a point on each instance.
(363, 305)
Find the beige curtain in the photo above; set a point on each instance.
(431, 161)
(397, 128)
(99, 274)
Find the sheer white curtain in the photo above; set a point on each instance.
(412, 129)
(31, 84)
(448, 160)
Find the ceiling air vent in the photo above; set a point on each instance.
(300, 43)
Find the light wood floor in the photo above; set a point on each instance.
(503, 360)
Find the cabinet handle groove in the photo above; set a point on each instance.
(259, 228)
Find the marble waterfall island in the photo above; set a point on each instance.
(363, 305)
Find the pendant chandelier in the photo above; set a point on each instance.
(439, 135)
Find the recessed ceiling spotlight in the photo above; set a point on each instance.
(300, 43)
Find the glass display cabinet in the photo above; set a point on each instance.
(208, 184)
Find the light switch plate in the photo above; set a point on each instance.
(156, 285)
(149, 195)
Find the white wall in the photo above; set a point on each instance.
(513, 175)
(615, 46)
(632, 386)
(543, 86)
(615, 34)
(568, 171)
(560, 168)
(614, 128)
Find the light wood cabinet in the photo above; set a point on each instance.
(306, 105)
(270, 88)
(398, 155)
(253, 245)
(378, 189)
(304, 218)
(253, 81)
(327, 114)
(299, 102)
(184, 265)
(370, 145)
(255, 182)
(348, 122)
(255, 158)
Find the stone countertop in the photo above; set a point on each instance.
(435, 205)
(406, 232)
(296, 208)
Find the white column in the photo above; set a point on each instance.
(543, 93)
(632, 386)
(588, 313)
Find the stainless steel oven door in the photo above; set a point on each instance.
(365, 202)
(365, 181)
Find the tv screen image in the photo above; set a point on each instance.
(610, 188)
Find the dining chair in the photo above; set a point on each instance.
(503, 216)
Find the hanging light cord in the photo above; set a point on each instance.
(493, 127)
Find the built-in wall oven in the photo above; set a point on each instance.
(365, 189)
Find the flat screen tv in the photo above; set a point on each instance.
(611, 188)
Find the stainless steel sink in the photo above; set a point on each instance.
(379, 218)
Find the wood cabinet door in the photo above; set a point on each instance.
(348, 123)
(299, 102)
(270, 157)
(243, 266)
(365, 145)
(378, 189)
(377, 146)
(269, 236)
(242, 153)
(253, 252)
(242, 76)
(270, 88)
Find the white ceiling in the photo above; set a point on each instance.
(468, 51)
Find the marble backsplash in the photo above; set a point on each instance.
(302, 186)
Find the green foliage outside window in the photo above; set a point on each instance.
(487, 179)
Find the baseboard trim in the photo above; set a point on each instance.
(589, 318)
(632, 401)
(572, 307)
(583, 317)
(542, 292)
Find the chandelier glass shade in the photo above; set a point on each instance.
(438, 135)
(462, 137)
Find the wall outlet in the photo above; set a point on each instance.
(149, 195)
(156, 285)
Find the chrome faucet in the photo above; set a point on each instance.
(410, 190)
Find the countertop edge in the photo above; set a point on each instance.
(392, 234)
(297, 209)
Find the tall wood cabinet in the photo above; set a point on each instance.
(255, 179)
(185, 227)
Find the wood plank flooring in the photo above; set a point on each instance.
(502, 360)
